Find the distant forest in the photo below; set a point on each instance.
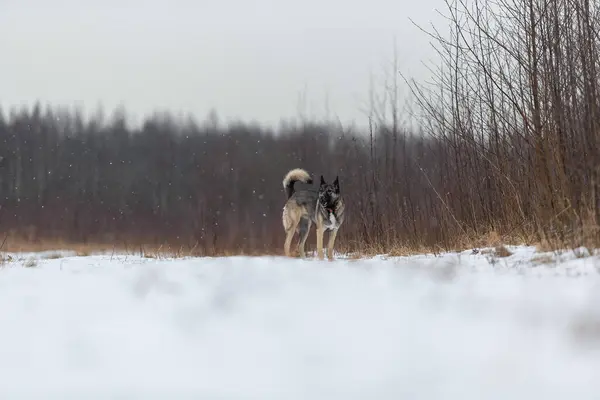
(508, 148)
(215, 188)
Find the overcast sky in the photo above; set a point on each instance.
(250, 59)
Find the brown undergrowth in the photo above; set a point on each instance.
(54, 247)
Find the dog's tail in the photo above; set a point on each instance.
(292, 177)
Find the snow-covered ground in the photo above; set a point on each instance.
(456, 326)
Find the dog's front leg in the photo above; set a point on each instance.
(331, 243)
(320, 231)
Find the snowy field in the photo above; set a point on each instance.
(457, 326)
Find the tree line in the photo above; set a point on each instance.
(214, 188)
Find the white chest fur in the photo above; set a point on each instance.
(331, 222)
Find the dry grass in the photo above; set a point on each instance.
(494, 244)
(491, 240)
(19, 245)
(53, 256)
(501, 251)
(403, 251)
(22, 245)
(545, 246)
(83, 253)
(30, 263)
(542, 259)
(354, 256)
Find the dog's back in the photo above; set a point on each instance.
(306, 199)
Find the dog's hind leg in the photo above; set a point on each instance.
(331, 243)
(288, 239)
(290, 230)
(304, 227)
(290, 219)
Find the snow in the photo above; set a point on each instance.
(451, 326)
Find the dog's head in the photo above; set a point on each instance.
(329, 193)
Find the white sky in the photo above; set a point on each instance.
(249, 59)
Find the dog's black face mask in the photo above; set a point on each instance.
(329, 193)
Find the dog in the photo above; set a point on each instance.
(323, 206)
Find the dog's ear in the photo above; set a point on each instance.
(336, 184)
(322, 181)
